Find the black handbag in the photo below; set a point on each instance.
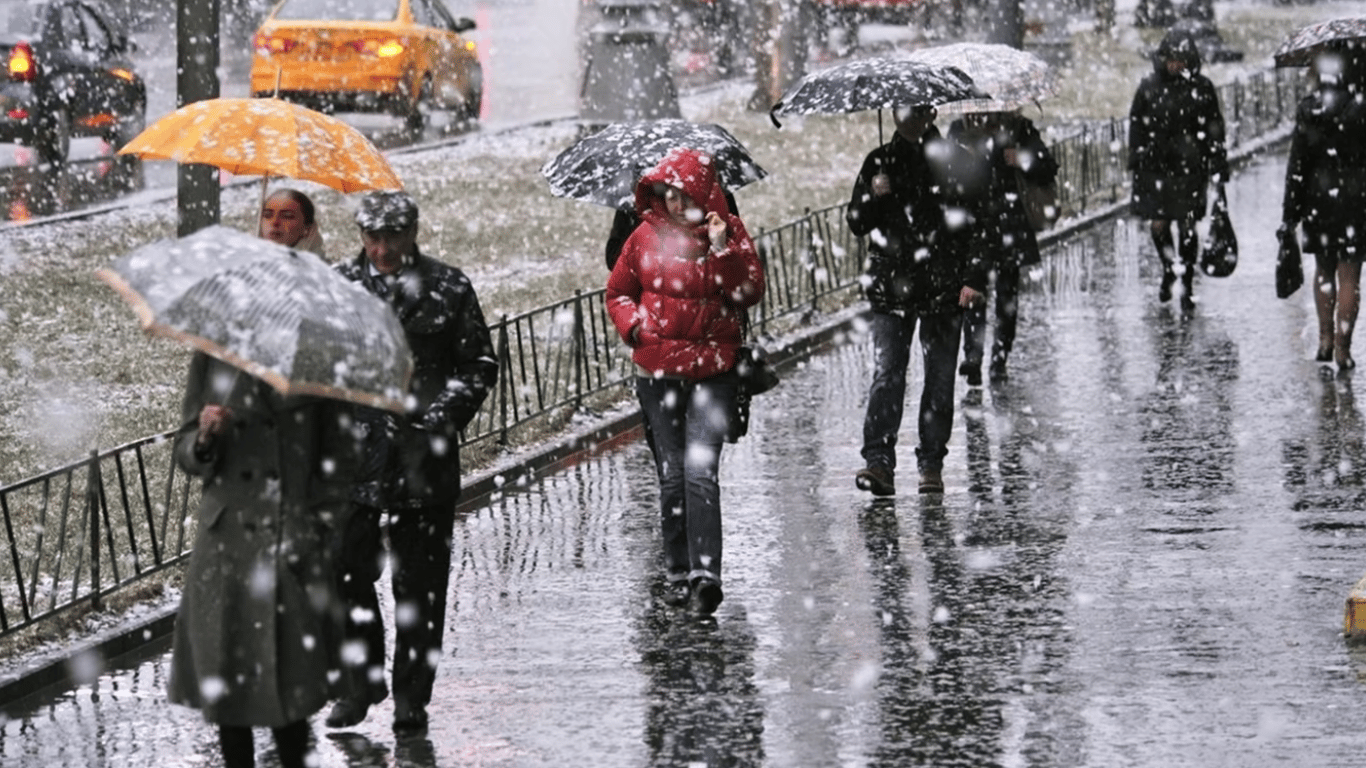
(1219, 257)
(754, 376)
(1289, 265)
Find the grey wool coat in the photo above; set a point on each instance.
(258, 628)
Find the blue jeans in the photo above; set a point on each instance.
(689, 421)
(892, 336)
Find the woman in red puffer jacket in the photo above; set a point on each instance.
(678, 295)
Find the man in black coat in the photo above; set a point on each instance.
(921, 269)
(412, 464)
(1176, 150)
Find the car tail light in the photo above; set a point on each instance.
(471, 46)
(123, 74)
(269, 44)
(381, 48)
(22, 67)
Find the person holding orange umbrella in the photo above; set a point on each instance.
(288, 217)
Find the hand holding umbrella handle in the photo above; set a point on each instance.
(213, 419)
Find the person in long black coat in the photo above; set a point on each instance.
(1325, 191)
(921, 271)
(410, 465)
(1176, 150)
(257, 632)
(1014, 155)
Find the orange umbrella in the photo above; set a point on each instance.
(267, 137)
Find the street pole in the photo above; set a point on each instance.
(1007, 23)
(780, 48)
(197, 191)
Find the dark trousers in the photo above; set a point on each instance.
(892, 334)
(239, 748)
(689, 421)
(420, 548)
(1006, 292)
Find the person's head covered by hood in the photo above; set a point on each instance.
(1177, 55)
(680, 191)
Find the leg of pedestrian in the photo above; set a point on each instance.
(891, 336)
(939, 351)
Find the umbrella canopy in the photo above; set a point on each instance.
(283, 316)
(603, 168)
(1013, 77)
(1299, 49)
(267, 137)
(875, 84)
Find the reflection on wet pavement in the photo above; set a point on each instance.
(1140, 559)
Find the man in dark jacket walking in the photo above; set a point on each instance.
(920, 268)
(412, 464)
(1176, 150)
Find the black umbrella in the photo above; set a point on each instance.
(875, 84)
(1299, 49)
(604, 168)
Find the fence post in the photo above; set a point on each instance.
(810, 260)
(505, 364)
(93, 482)
(579, 351)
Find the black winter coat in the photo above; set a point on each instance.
(1325, 177)
(920, 251)
(415, 460)
(1004, 232)
(1176, 138)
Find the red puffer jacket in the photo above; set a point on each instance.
(686, 300)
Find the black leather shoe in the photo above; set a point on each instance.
(347, 712)
(677, 594)
(709, 596)
(410, 718)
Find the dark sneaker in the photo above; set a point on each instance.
(347, 712)
(875, 480)
(972, 372)
(677, 594)
(931, 481)
(709, 596)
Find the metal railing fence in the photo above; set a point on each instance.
(73, 535)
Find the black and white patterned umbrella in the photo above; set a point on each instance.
(281, 315)
(1013, 77)
(875, 84)
(1345, 34)
(603, 168)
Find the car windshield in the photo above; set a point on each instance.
(337, 10)
(18, 17)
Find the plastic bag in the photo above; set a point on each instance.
(1219, 257)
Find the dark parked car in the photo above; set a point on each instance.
(68, 73)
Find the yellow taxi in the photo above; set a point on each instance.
(402, 57)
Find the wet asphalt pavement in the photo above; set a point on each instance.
(1140, 560)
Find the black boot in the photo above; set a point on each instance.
(1164, 291)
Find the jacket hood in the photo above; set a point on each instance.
(690, 170)
(1177, 45)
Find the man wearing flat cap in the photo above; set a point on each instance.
(411, 479)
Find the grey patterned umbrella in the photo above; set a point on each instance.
(1299, 49)
(1013, 77)
(603, 168)
(875, 84)
(281, 315)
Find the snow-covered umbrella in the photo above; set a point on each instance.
(1013, 77)
(603, 168)
(1300, 48)
(281, 315)
(878, 83)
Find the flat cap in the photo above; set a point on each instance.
(386, 210)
